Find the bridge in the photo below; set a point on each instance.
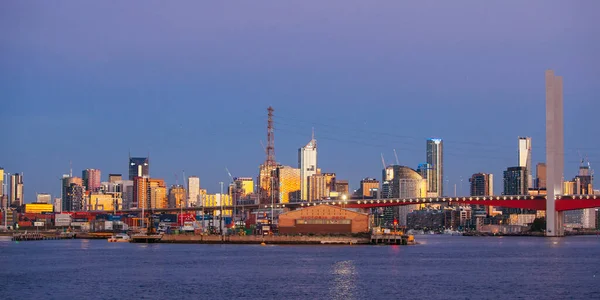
(538, 202)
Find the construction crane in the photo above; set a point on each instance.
(396, 155)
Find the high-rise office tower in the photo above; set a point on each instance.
(515, 181)
(91, 179)
(482, 184)
(193, 190)
(307, 163)
(287, 184)
(140, 192)
(16, 189)
(112, 178)
(157, 193)
(73, 200)
(435, 158)
(554, 152)
(67, 181)
(525, 157)
(540, 174)
(139, 167)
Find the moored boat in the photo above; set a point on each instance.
(119, 238)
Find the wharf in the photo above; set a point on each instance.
(40, 237)
(257, 239)
(392, 239)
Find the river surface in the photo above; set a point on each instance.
(440, 267)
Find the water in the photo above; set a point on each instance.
(442, 267)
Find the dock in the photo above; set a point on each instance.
(392, 239)
(33, 236)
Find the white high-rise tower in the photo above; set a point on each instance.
(307, 163)
(525, 158)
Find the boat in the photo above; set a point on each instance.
(145, 238)
(119, 238)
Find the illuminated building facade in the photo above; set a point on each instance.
(288, 184)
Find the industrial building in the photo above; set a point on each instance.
(323, 219)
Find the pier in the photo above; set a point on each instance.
(21, 237)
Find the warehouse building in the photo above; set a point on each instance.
(323, 219)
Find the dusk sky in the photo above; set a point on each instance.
(190, 81)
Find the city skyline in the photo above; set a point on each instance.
(351, 79)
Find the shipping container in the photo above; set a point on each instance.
(168, 218)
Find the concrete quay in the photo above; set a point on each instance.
(257, 239)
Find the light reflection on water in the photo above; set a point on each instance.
(344, 280)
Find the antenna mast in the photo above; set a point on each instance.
(270, 162)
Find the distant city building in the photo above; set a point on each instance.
(287, 183)
(2, 183)
(113, 178)
(74, 197)
(342, 187)
(435, 158)
(245, 185)
(140, 192)
(317, 187)
(139, 167)
(177, 196)
(402, 182)
(367, 186)
(525, 158)
(193, 190)
(44, 198)
(105, 201)
(482, 184)
(307, 163)
(91, 179)
(582, 184)
(329, 183)
(57, 205)
(158, 197)
(16, 190)
(515, 181)
(540, 173)
(424, 170)
(67, 181)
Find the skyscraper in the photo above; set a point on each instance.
(482, 184)
(540, 174)
(525, 157)
(193, 190)
(139, 167)
(554, 152)
(1, 183)
(67, 190)
(435, 158)
(91, 179)
(307, 163)
(74, 198)
(287, 184)
(515, 181)
(402, 182)
(16, 189)
(317, 187)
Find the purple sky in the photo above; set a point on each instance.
(190, 82)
